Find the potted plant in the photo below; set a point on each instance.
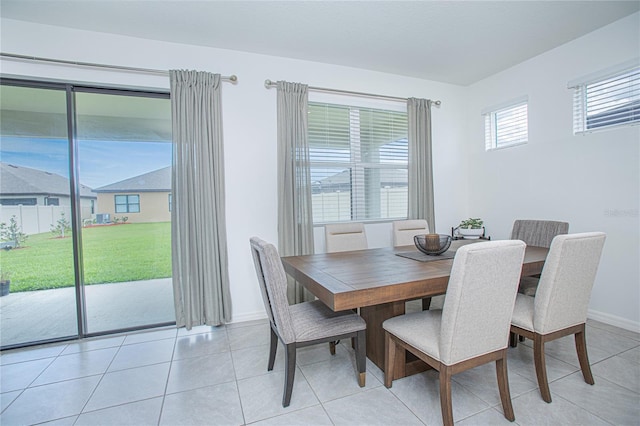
(471, 228)
(5, 282)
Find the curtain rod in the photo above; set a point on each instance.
(232, 78)
(269, 84)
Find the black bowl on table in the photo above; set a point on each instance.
(432, 244)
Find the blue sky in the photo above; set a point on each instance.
(100, 162)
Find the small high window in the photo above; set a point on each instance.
(607, 99)
(506, 125)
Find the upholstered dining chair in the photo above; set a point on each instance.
(472, 328)
(302, 324)
(405, 230)
(345, 237)
(560, 306)
(403, 233)
(537, 233)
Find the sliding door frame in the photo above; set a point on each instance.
(70, 90)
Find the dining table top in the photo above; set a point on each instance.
(355, 279)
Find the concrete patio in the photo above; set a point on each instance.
(48, 314)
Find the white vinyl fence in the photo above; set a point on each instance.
(37, 219)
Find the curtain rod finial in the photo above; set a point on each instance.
(268, 83)
(233, 78)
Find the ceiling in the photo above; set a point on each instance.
(457, 42)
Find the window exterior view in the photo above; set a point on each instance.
(359, 159)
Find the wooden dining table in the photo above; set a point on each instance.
(379, 281)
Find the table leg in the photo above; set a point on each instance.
(375, 316)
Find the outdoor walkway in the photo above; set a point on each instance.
(48, 314)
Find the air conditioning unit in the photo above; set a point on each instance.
(103, 218)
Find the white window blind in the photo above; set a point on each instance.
(506, 126)
(607, 101)
(359, 159)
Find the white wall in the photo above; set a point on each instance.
(590, 181)
(249, 116)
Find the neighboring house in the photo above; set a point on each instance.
(143, 198)
(22, 187)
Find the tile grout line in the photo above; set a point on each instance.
(166, 385)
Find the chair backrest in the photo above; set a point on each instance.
(273, 285)
(345, 237)
(405, 230)
(538, 233)
(476, 316)
(566, 281)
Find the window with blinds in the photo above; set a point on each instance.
(358, 160)
(607, 101)
(506, 126)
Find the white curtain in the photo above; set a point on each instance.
(420, 161)
(198, 231)
(295, 220)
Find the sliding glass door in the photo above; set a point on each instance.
(38, 299)
(124, 155)
(84, 211)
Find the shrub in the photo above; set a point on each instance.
(12, 232)
(61, 227)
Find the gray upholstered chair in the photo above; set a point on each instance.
(473, 326)
(560, 306)
(403, 233)
(345, 237)
(302, 324)
(537, 233)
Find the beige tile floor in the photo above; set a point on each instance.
(218, 376)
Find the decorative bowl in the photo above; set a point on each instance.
(432, 244)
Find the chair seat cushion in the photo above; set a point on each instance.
(419, 329)
(528, 286)
(523, 312)
(314, 320)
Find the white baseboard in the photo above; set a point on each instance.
(614, 320)
(249, 317)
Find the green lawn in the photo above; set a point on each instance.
(128, 252)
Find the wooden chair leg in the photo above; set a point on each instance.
(272, 350)
(513, 339)
(289, 373)
(361, 357)
(445, 396)
(581, 349)
(503, 387)
(389, 359)
(541, 368)
(332, 348)
(521, 338)
(426, 303)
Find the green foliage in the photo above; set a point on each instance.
(12, 232)
(4, 275)
(62, 226)
(471, 223)
(111, 254)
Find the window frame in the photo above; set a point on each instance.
(586, 90)
(127, 203)
(356, 166)
(491, 115)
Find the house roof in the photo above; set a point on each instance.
(155, 181)
(19, 180)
